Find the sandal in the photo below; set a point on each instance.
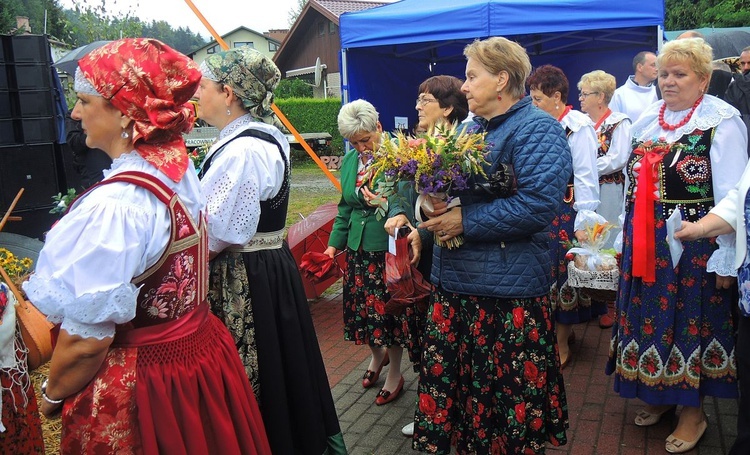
(644, 418)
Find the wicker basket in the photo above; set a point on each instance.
(598, 284)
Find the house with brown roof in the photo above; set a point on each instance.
(240, 36)
(315, 36)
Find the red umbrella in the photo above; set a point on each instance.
(311, 235)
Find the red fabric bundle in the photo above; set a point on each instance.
(319, 267)
(404, 282)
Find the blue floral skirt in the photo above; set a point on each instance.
(490, 378)
(673, 340)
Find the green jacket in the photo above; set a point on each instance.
(355, 225)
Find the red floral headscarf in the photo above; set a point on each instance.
(151, 83)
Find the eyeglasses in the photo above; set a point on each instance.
(582, 95)
(421, 101)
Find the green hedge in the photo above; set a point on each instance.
(314, 115)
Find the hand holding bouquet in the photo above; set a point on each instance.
(437, 162)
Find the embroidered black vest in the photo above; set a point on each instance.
(604, 135)
(684, 176)
(272, 211)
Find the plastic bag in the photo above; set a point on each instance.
(589, 254)
(405, 284)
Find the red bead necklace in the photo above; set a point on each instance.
(682, 122)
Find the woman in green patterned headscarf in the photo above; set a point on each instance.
(255, 286)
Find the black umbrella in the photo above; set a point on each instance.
(69, 61)
(728, 43)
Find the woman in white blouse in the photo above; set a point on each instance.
(255, 285)
(673, 340)
(140, 364)
(613, 133)
(549, 91)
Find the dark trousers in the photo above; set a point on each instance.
(742, 352)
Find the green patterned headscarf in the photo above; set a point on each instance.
(252, 76)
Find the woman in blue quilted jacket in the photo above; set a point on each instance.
(490, 378)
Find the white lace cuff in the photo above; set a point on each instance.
(721, 262)
(90, 315)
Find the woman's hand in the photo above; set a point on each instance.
(439, 207)
(394, 223)
(691, 231)
(416, 246)
(447, 225)
(372, 199)
(330, 252)
(50, 411)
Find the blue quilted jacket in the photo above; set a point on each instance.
(506, 249)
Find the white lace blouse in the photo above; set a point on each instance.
(248, 170)
(728, 157)
(113, 234)
(583, 146)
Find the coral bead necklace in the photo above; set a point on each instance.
(683, 122)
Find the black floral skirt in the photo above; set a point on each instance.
(490, 381)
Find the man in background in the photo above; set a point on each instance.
(738, 92)
(639, 91)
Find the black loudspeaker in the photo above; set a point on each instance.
(30, 48)
(5, 110)
(35, 103)
(4, 76)
(30, 76)
(38, 130)
(66, 168)
(31, 167)
(10, 133)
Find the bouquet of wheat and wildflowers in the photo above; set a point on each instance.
(437, 162)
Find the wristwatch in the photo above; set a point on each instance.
(48, 399)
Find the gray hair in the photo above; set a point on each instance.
(357, 117)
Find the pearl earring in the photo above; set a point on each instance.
(124, 135)
(229, 112)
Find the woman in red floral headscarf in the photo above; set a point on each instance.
(140, 365)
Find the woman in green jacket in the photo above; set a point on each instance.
(361, 233)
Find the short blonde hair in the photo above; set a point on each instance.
(600, 82)
(359, 116)
(693, 51)
(498, 54)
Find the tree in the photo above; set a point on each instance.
(690, 14)
(8, 13)
(295, 12)
(293, 88)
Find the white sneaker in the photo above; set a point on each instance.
(408, 430)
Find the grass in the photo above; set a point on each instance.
(310, 189)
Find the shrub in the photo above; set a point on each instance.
(293, 88)
(314, 115)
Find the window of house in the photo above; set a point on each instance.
(211, 50)
(272, 47)
(249, 44)
(321, 28)
(331, 27)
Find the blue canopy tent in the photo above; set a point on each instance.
(389, 50)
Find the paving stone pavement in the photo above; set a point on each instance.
(600, 421)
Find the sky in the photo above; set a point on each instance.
(223, 15)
